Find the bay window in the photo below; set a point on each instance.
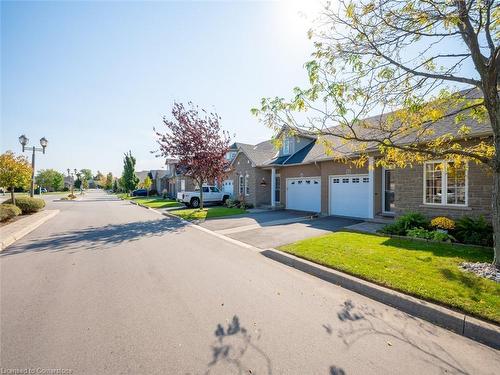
(445, 183)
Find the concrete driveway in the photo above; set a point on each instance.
(275, 228)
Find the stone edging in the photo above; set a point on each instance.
(422, 239)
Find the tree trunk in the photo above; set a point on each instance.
(12, 196)
(492, 103)
(496, 212)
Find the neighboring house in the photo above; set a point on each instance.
(248, 179)
(302, 176)
(174, 180)
(156, 176)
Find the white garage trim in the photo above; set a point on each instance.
(290, 179)
(368, 201)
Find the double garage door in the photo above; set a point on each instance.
(348, 195)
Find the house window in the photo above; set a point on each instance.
(286, 146)
(366, 179)
(445, 183)
(355, 180)
(336, 180)
(242, 185)
(345, 180)
(247, 187)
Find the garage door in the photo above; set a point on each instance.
(349, 195)
(303, 194)
(227, 187)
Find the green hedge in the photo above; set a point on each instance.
(28, 205)
(8, 211)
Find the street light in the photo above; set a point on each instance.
(23, 140)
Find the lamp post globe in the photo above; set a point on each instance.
(23, 140)
(43, 142)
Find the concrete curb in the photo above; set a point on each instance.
(475, 329)
(464, 325)
(9, 239)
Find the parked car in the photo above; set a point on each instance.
(211, 194)
(140, 193)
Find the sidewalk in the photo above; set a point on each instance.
(10, 233)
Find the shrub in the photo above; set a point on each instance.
(231, 203)
(474, 231)
(406, 222)
(153, 192)
(27, 204)
(420, 233)
(442, 222)
(65, 188)
(434, 235)
(8, 211)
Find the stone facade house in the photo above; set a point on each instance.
(301, 175)
(249, 179)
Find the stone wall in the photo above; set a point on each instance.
(409, 195)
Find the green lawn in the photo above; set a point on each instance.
(153, 202)
(207, 212)
(423, 269)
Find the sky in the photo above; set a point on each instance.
(94, 78)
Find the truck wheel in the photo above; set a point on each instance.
(224, 199)
(195, 202)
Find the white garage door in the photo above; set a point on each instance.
(227, 187)
(303, 194)
(349, 195)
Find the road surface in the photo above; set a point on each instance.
(107, 287)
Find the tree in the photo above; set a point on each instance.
(115, 186)
(108, 184)
(50, 179)
(196, 140)
(87, 173)
(100, 179)
(15, 171)
(147, 183)
(129, 179)
(405, 60)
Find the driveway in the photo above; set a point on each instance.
(275, 228)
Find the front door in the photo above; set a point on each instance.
(388, 191)
(277, 184)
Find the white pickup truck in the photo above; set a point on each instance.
(211, 194)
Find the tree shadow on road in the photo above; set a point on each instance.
(94, 238)
(360, 322)
(235, 351)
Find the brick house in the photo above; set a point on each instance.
(302, 176)
(248, 178)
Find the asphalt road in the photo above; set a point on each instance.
(106, 287)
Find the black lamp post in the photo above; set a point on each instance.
(23, 140)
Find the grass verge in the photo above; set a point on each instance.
(153, 202)
(426, 270)
(207, 212)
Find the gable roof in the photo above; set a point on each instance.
(260, 153)
(316, 150)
